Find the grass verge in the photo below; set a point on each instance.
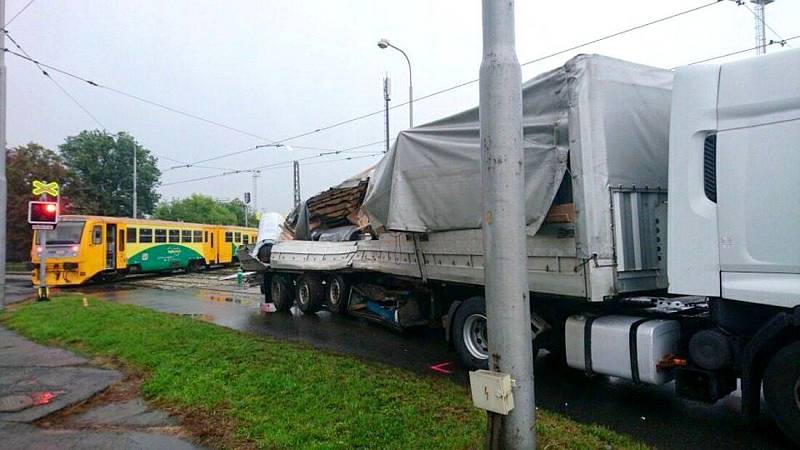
(273, 394)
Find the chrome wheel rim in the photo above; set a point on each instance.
(302, 294)
(335, 292)
(475, 337)
(276, 291)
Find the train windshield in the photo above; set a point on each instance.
(65, 233)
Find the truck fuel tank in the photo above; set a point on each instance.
(622, 346)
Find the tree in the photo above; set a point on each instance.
(24, 164)
(199, 208)
(104, 164)
(237, 207)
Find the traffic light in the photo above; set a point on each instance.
(43, 213)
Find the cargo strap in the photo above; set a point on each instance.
(634, 349)
(587, 345)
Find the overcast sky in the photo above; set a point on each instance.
(280, 68)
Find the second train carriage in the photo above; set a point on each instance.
(81, 248)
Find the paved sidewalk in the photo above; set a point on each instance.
(36, 381)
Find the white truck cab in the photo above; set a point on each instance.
(734, 181)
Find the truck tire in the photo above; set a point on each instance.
(310, 293)
(281, 292)
(337, 293)
(782, 390)
(469, 334)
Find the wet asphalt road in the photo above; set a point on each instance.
(650, 414)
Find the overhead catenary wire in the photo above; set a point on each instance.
(744, 50)
(281, 165)
(18, 13)
(53, 80)
(363, 116)
(138, 98)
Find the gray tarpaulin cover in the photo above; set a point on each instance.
(430, 180)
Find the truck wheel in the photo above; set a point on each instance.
(337, 293)
(469, 334)
(310, 293)
(281, 292)
(782, 390)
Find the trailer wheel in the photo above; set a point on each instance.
(337, 293)
(281, 292)
(782, 390)
(469, 334)
(310, 293)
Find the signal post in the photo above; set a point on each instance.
(43, 216)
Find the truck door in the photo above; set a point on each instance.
(111, 246)
(757, 183)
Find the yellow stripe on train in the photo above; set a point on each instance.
(82, 248)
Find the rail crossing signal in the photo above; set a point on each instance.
(42, 213)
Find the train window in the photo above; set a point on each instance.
(238, 238)
(186, 236)
(121, 242)
(245, 239)
(97, 234)
(174, 235)
(205, 239)
(160, 235)
(198, 236)
(131, 235)
(228, 236)
(146, 235)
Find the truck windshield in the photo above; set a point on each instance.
(65, 233)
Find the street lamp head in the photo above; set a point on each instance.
(383, 43)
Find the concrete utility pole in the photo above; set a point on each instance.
(502, 170)
(296, 183)
(134, 182)
(3, 188)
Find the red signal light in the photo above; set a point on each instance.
(45, 213)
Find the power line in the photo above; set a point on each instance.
(765, 23)
(466, 83)
(71, 97)
(18, 13)
(138, 98)
(737, 52)
(281, 165)
(47, 75)
(363, 116)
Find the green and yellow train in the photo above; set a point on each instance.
(82, 248)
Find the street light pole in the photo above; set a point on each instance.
(383, 43)
(502, 169)
(3, 190)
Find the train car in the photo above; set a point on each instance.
(83, 248)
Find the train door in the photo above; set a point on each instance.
(111, 246)
(208, 245)
(122, 260)
(225, 246)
